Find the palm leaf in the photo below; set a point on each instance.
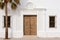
(10, 1)
(1, 0)
(17, 1)
(13, 6)
(1, 5)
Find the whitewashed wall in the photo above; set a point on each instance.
(16, 31)
(52, 9)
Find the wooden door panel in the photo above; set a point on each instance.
(26, 25)
(33, 25)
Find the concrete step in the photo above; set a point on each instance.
(30, 38)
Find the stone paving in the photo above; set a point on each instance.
(32, 38)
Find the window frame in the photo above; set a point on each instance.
(4, 22)
(54, 22)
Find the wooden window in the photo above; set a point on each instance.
(7, 21)
(52, 21)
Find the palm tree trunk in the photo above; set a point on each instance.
(6, 30)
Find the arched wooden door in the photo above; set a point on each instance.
(30, 24)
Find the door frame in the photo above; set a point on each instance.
(24, 27)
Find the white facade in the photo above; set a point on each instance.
(42, 8)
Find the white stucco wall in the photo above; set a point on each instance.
(52, 9)
(42, 8)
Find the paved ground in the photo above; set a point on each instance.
(33, 38)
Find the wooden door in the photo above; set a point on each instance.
(30, 25)
(26, 25)
(33, 25)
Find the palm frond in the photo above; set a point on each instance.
(10, 1)
(13, 3)
(17, 1)
(1, 5)
(1, 0)
(13, 6)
